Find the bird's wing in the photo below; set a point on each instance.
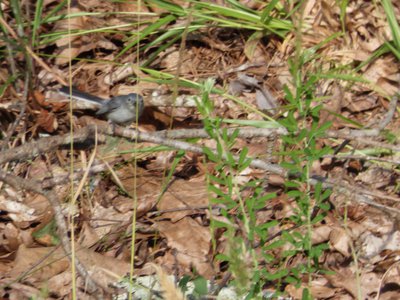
(109, 106)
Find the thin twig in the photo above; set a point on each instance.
(60, 179)
(357, 136)
(148, 137)
(243, 132)
(361, 196)
(195, 209)
(362, 157)
(360, 135)
(43, 145)
(389, 114)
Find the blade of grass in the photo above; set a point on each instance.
(147, 31)
(394, 26)
(37, 21)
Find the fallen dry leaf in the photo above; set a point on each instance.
(192, 243)
(47, 121)
(183, 194)
(340, 241)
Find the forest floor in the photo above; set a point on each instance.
(301, 202)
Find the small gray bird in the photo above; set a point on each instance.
(120, 109)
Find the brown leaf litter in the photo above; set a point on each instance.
(173, 216)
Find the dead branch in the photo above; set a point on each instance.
(201, 133)
(44, 145)
(361, 135)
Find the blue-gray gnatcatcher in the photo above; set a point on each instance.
(122, 109)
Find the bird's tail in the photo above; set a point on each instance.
(80, 96)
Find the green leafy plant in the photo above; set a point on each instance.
(240, 226)
(240, 213)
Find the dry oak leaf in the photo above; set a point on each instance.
(53, 261)
(192, 242)
(17, 211)
(47, 121)
(340, 241)
(183, 194)
(27, 258)
(66, 52)
(42, 101)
